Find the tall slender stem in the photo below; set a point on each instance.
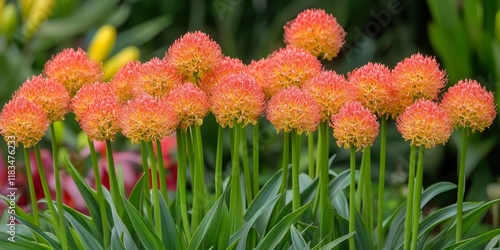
(352, 193)
(325, 207)
(367, 191)
(461, 184)
(235, 200)
(100, 195)
(113, 181)
(31, 186)
(181, 199)
(218, 162)
(200, 196)
(286, 152)
(417, 197)
(161, 171)
(409, 198)
(310, 154)
(381, 184)
(246, 167)
(156, 197)
(295, 169)
(146, 186)
(57, 177)
(255, 159)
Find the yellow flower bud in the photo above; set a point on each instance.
(8, 20)
(25, 6)
(102, 43)
(112, 66)
(39, 11)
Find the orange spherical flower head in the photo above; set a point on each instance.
(23, 121)
(237, 98)
(147, 118)
(425, 123)
(374, 88)
(100, 120)
(190, 103)
(293, 109)
(73, 69)
(89, 94)
(156, 78)
(290, 66)
(47, 93)
(194, 55)
(317, 32)
(354, 125)
(331, 91)
(260, 71)
(417, 77)
(124, 80)
(469, 105)
(227, 66)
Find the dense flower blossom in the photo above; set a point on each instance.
(237, 98)
(47, 93)
(194, 55)
(317, 32)
(374, 88)
(100, 120)
(147, 118)
(293, 109)
(89, 94)
(469, 105)
(354, 125)
(190, 103)
(331, 91)
(227, 66)
(73, 69)
(156, 78)
(425, 123)
(123, 81)
(23, 121)
(417, 77)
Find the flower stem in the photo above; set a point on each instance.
(218, 162)
(296, 138)
(255, 159)
(235, 200)
(115, 191)
(417, 197)
(325, 208)
(246, 167)
(31, 187)
(409, 198)
(146, 186)
(381, 184)
(461, 184)
(57, 177)
(200, 196)
(161, 171)
(310, 154)
(181, 182)
(100, 195)
(352, 193)
(156, 197)
(286, 152)
(367, 191)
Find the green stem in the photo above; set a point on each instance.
(156, 197)
(381, 184)
(310, 154)
(246, 167)
(296, 138)
(31, 187)
(218, 162)
(286, 152)
(57, 177)
(113, 181)
(181, 199)
(100, 196)
(409, 198)
(200, 196)
(461, 184)
(417, 197)
(161, 171)
(146, 186)
(352, 193)
(367, 191)
(325, 207)
(235, 202)
(255, 159)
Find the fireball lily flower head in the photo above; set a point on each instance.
(190, 103)
(100, 120)
(124, 79)
(156, 78)
(227, 66)
(89, 94)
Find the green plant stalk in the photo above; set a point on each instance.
(361, 184)
(115, 191)
(31, 187)
(156, 197)
(235, 200)
(246, 167)
(417, 197)
(323, 126)
(200, 196)
(296, 138)
(218, 162)
(461, 184)
(255, 158)
(310, 154)
(367, 191)
(409, 198)
(181, 199)
(57, 177)
(286, 152)
(325, 209)
(100, 195)
(352, 193)
(161, 171)
(145, 169)
(381, 184)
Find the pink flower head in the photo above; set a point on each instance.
(73, 69)
(190, 103)
(317, 32)
(374, 87)
(194, 55)
(331, 91)
(100, 120)
(227, 66)
(47, 93)
(425, 123)
(469, 105)
(237, 98)
(355, 125)
(156, 78)
(293, 109)
(123, 81)
(89, 94)
(147, 118)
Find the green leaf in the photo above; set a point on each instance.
(337, 241)
(116, 242)
(213, 216)
(170, 234)
(22, 240)
(299, 243)
(474, 243)
(88, 241)
(146, 234)
(38, 231)
(473, 15)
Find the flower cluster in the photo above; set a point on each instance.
(190, 103)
